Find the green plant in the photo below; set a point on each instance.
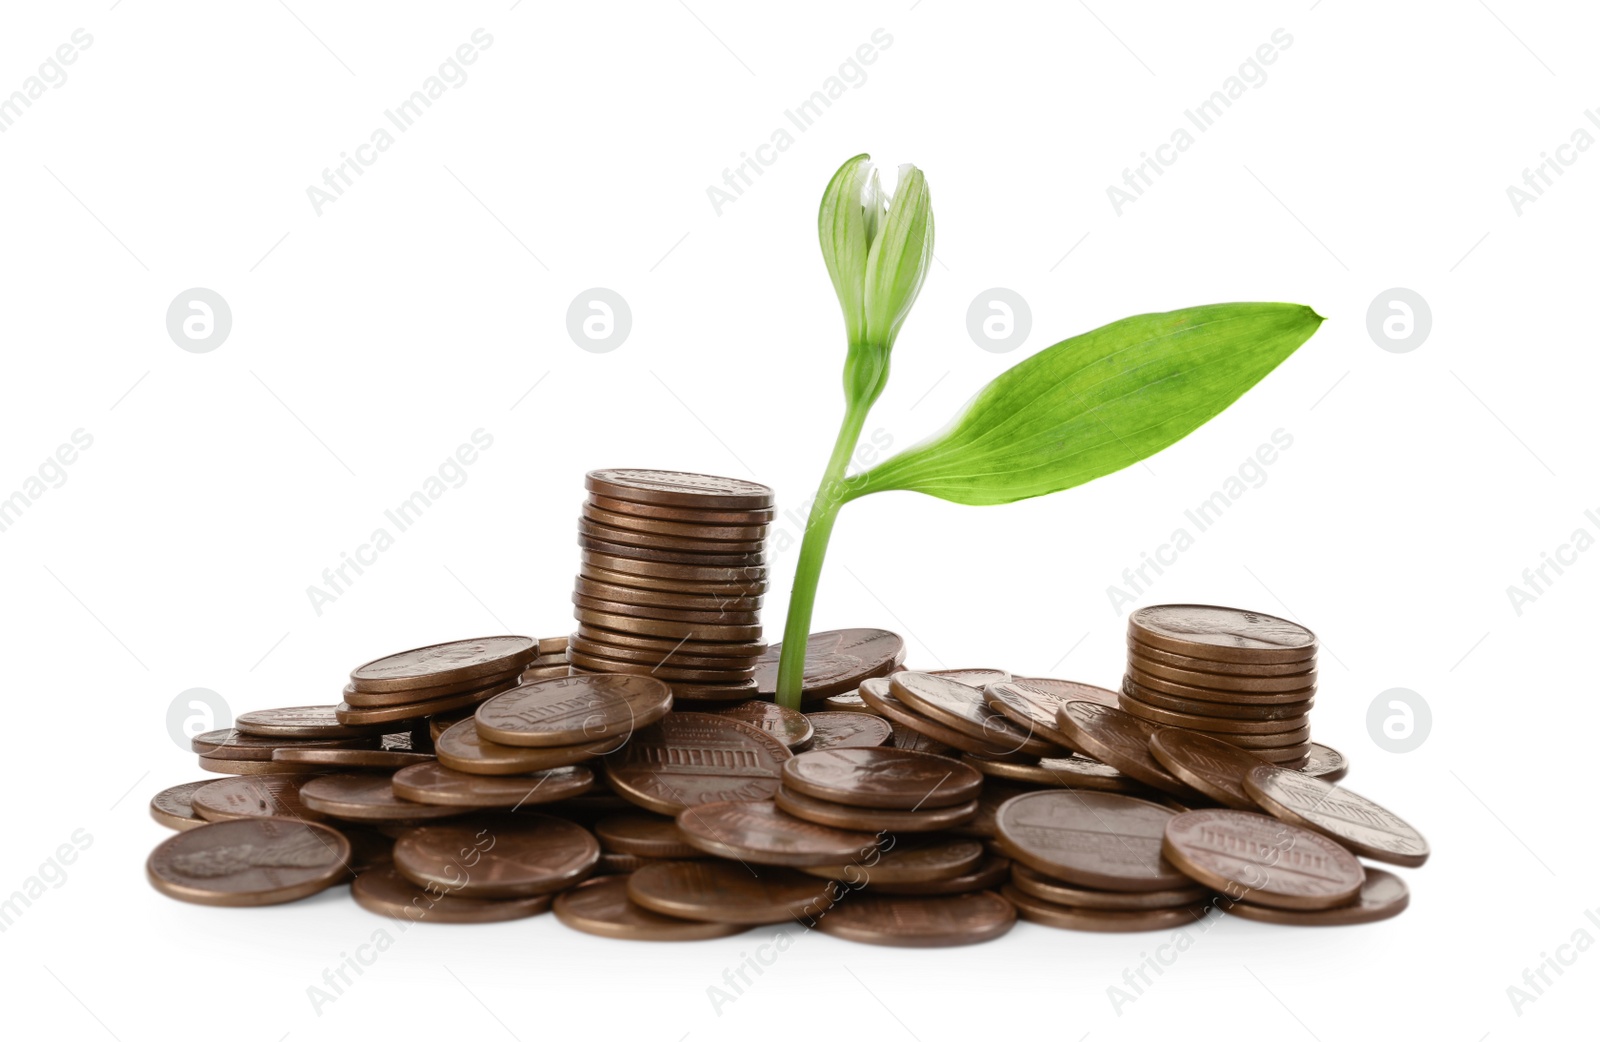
(1078, 410)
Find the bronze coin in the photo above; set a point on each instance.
(1296, 739)
(1209, 765)
(717, 616)
(1063, 772)
(1122, 741)
(978, 678)
(461, 748)
(449, 663)
(744, 558)
(227, 799)
(917, 742)
(921, 922)
(676, 598)
(1099, 920)
(848, 730)
(1321, 806)
(760, 833)
(848, 702)
(1384, 895)
(666, 628)
(439, 723)
(714, 657)
(353, 759)
(1228, 634)
(365, 797)
(878, 694)
(887, 778)
(1147, 653)
(1032, 702)
(836, 661)
(688, 759)
(987, 874)
(700, 589)
(442, 786)
(217, 765)
(1325, 762)
(1094, 839)
(741, 573)
(1259, 859)
(1214, 725)
(529, 676)
(645, 835)
(993, 795)
(1146, 672)
(789, 726)
(619, 864)
(249, 862)
(552, 646)
(1041, 887)
(869, 819)
(573, 710)
(402, 714)
(735, 691)
(961, 707)
(230, 744)
(753, 516)
(1138, 683)
(299, 722)
(517, 857)
(674, 488)
(385, 891)
(727, 892)
(601, 906)
(173, 808)
(383, 699)
(674, 533)
(909, 859)
(1222, 710)
(584, 665)
(1294, 756)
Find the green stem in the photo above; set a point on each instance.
(831, 495)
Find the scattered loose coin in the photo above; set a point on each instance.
(917, 742)
(877, 694)
(1065, 772)
(1094, 839)
(518, 857)
(643, 834)
(437, 784)
(921, 922)
(847, 702)
(1209, 765)
(375, 759)
(869, 819)
(988, 874)
(836, 661)
(752, 516)
(909, 859)
(1384, 895)
(1122, 741)
(365, 797)
(448, 663)
(1043, 888)
(385, 891)
(1069, 917)
(275, 796)
(1228, 634)
(1336, 812)
(1325, 762)
(231, 744)
(299, 722)
(173, 807)
(687, 759)
(601, 906)
(848, 730)
(895, 779)
(760, 833)
(573, 710)
(961, 706)
(672, 488)
(789, 726)
(1032, 702)
(1261, 860)
(727, 892)
(461, 748)
(249, 862)
(217, 765)
(978, 678)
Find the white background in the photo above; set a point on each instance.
(368, 342)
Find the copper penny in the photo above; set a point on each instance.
(676, 532)
(994, 794)
(1099, 920)
(688, 759)
(1209, 765)
(619, 864)
(673, 488)
(878, 694)
(1094, 839)
(485, 686)
(737, 589)
(894, 779)
(1336, 812)
(217, 765)
(917, 742)
(762, 834)
(1220, 710)
(1064, 772)
(448, 663)
(249, 862)
(1215, 725)
(751, 516)
(1228, 634)
(552, 646)
(789, 726)
(848, 730)
(987, 874)
(741, 573)
(1139, 682)
(978, 678)
(666, 628)
(1259, 859)
(836, 661)
(909, 859)
(921, 922)
(645, 835)
(1325, 762)
(271, 797)
(691, 692)
(1384, 895)
(365, 797)
(717, 616)
(434, 783)
(738, 653)
(573, 710)
(1152, 673)
(516, 857)
(650, 658)
(1122, 741)
(847, 702)
(1146, 653)
(1043, 888)
(601, 906)
(727, 892)
(1032, 702)
(231, 744)
(354, 759)
(299, 722)
(1295, 739)
(867, 819)
(385, 891)
(173, 808)
(461, 748)
(675, 598)
(403, 714)
(590, 541)
(584, 665)
(962, 707)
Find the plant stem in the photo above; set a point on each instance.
(813, 548)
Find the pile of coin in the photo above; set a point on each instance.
(671, 580)
(1245, 677)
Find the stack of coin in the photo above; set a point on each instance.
(1244, 677)
(413, 685)
(879, 790)
(672, 576)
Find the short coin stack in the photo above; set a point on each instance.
(416, 684)
(1244, 677)
(672, 576)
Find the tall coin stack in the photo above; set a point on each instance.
(1244, 677)
(672, 575)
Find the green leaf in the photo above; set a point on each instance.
(1096, 403)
